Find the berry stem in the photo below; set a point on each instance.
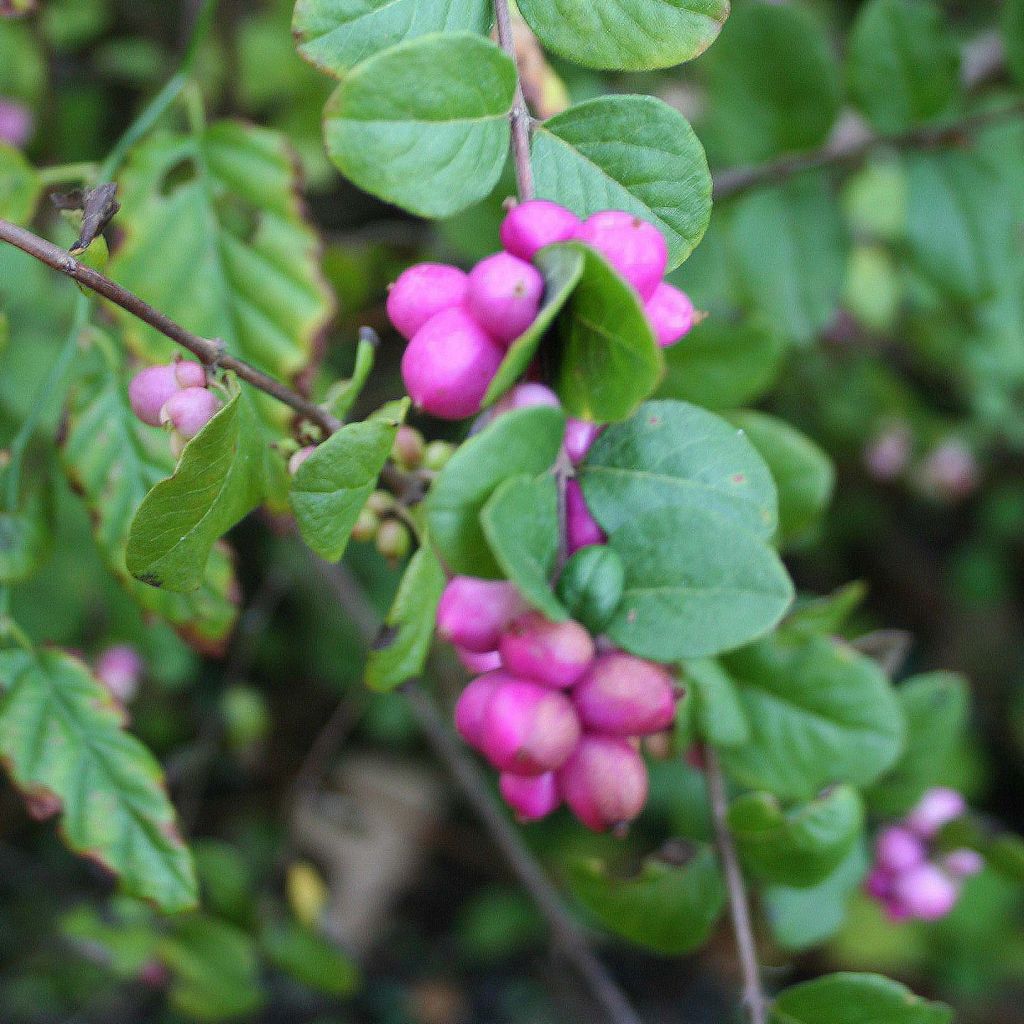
(739, 903)
(520, 114)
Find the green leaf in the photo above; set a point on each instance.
(521, 442)
(802, 472)
(855, 999)
(936, 708)
(26, 539)
(425, 124)
(335, 35)
(608, 360)
(819, 714)
(720, 365)
(772, 81)
(1013, 37)
(696, 585)
(520, 522)
(562, 267)
(401, 650)
(666, 908)
(717, 710)
(903, 64)
(676, 454)
(220, 480)
(311, 960)
(631, 153)
(20, 186)
(800, 846)
(632, 35)
(591, 585)
(63, 742)
(330, 488)
(827, 616)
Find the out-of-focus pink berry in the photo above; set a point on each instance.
(189, 410)
(474, 613)
(554, 653)
(449, 364)
(938, 807)
(895, 911)
(472, 704)
(530, 226)
(119, 669)
(950, 471)
(670, 313)
(299, 457)
(581, 527)
(528, 728)
(579, 436)
(636, 249)
(189, 374)
(532, 797)
(423, 291)
(16, 123)
(878, 884)
(888, 455)
(623, 695)
(149, 391)
(926, 892)
(898, 849)
(477, 662)
(604, 782)
(526, 396)
(963, 863)
(504, 295)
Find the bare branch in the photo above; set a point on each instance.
(520, 115)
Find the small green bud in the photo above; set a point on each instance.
(366, 526)
(393, 540)
(437, 455)
(591, 585)
(380, 503)
(409, 448)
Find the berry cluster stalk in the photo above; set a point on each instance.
(520, 116)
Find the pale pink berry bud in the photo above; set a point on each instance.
(474, 613)
(963, 863)
(119, 669)
(504, 295)
(526, 396)
(888, 455)
(449, 364)
(622, 695)
(299, 457)
(189, 374)
(878, 884)
(938, 807)
(670, 313)
(579, 436)
(189, 410)
(472, 704)
(950, 471)
(528, 728)
(604, 782)
(530, 226)
(478, 661)
(898, 849)
(554, 653)
(581, 528)
(532, 797)
(895, 911)
(926, 892)
(636, 249)
(423, 291)
(15, 123)
(149, 391)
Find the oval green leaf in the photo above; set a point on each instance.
(856, 999)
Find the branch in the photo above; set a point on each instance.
(852, 146)
(520, 114)
(739, 906)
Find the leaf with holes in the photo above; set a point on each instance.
(63, 741)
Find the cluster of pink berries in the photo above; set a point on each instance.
(119, 669)
(15, 123)
(557, 717)
(908, 878)
(459, 326)
(175, 395)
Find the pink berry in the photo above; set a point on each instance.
(528, 728)
(936, 808)
(189, 410)
(581, 528)
(554, 653)
(878, 884)
(963, 863)
(604, 782)
(926, 892)
(636, 249)
(119, 669)
(474, 613)
(526, 396)
(504, 295)
(895, 911)
(951, 470)
(472, 704)
(622, 695)
(189, 374)
(579, 436)
(898, 849)
(670, 313)
(532, 797)
(478, 661)
(423, 291)
(530, 226)
(299, 457)
(149, 391)
(449, 364)
(888, 455)
(15, 123)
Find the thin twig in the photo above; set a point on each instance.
(520, 114)
(739, 905)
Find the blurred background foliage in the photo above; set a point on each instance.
(876, 303)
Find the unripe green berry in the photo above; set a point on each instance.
(437, 455)
(380, 503)
(591, 585)
(409, 448)
(366, 526)
(393, 539)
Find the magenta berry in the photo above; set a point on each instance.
(532, 797)
(449, 364)
(15, 123)
(878, 884)
(423, 291)
(189, 374)
(623, 695)
(478, 662)
(528, 728)
(299, 457)
(897, 849)
(526, 396)
(604, 782)
(530, 226)
(670, 313)
(925, 892)
(581, 528)
(963, 863)
(554, 653)
(189, 410)
(119, 669)
(149, 391)
(474, 613)
(636, 249)
(579, 436)
(938, 807)
(504, 295)
(472, 704)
